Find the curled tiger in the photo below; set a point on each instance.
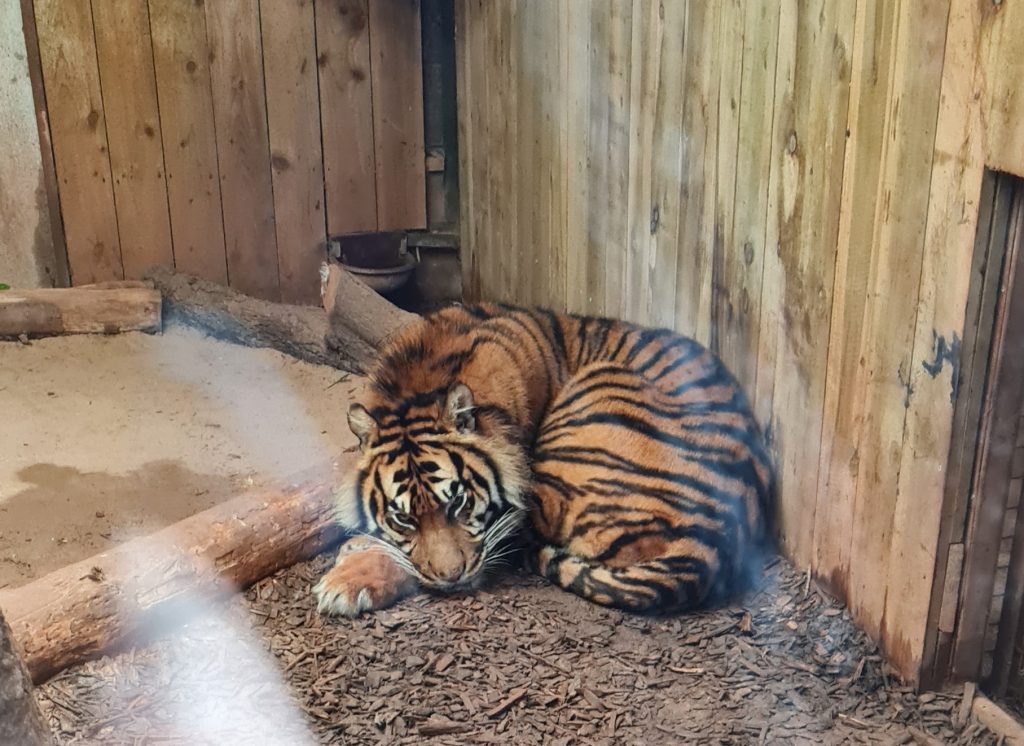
(622, 461)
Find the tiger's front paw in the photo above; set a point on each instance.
(362, 580)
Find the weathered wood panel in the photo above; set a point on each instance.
(396, 72)
(125, 54)
(811, 99)
(216, 136)
(745, 211)
(796, 184)
(67, 48)
(182, 59)
(289, 54)
(1004, 71)
(346, 117)
(243, 146)
(894, 279)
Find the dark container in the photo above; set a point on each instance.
(372, 249)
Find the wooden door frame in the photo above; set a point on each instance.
(977, 478)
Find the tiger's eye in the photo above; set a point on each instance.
(402, 521)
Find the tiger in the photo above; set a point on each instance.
(622, 463)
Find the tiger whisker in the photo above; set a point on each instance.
(394, 553)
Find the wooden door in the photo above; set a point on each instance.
(980, 594)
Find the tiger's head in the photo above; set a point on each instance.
(441, 485)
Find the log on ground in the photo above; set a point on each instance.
(84, 310)
(155, 582)
(345, 342)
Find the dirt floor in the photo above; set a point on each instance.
(140, 431)
(522, 663)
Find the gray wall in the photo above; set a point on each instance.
(27, 246)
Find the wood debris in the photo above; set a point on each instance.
(521, 662)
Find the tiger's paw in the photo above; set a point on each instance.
(363, 580)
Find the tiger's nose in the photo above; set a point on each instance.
(447, 572)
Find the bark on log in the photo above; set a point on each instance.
(152, 583)
(361, 318)
(85, 310)
(354, 310)
(21, 722)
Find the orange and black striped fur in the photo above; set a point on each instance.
(625, 458)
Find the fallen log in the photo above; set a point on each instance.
(359, 318)
(21, 722)
(149, 584)
(355, 310)
(84, 310)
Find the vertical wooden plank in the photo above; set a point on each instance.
(953, 213)
(467, 94)
(894, 284)
(483, 264)
(668, 152)
(503, 232)
(125, 54)
(346, 115)
(592, 134)
(747, 214)
(812, 92)
(182, 61)
(296, 159)
(697, 187)
(872, 66)
(731, 46)
(396, 73)
(494, 57)
(530, 209)
(243, 148)
(67, 50)
(643, 92)
(560, 168)
(617, 55)
(1005, 120)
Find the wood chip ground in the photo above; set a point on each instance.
(520, 663)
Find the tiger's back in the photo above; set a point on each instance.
(652, 483)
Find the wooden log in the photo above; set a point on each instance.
(998, 720)
(358, 315)
(149, 584)
(91, 310)
(21, 722)
(360, 318)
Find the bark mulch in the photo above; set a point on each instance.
(521, 663)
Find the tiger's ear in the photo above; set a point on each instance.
(362, 424)
(458, 408)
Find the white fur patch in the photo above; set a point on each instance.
(348, 602)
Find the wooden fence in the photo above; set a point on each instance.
(229, 137)
(794, 183)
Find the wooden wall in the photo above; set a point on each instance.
(794, 183)
(230, 137)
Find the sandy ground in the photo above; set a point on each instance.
(104, 438)
(520, 663)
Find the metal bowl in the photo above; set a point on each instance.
(387, 279)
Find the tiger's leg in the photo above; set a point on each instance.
(364, 578)
(660, 585)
